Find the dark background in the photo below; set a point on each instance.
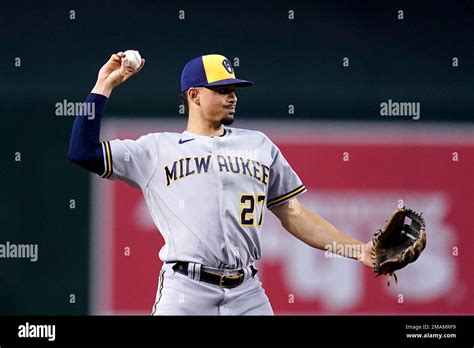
(296, 62)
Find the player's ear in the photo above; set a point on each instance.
(193, 94)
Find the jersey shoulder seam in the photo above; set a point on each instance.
(273, 145)
(157, 160)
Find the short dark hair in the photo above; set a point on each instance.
(183, 97)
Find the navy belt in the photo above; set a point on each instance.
(216, 277)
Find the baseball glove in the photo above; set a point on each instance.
(398, 243)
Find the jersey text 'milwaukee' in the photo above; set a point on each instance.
(231, 164)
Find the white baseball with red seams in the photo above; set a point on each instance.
(133, 59)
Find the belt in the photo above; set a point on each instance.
(216, 277)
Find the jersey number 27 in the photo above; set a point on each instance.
(248, 212)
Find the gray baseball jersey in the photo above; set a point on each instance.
(206, 194)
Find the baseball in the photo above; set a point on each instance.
(132, 59)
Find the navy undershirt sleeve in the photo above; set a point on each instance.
(85, 148)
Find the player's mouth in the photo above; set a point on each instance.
(231, 108)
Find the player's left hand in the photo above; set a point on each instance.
(366, 256)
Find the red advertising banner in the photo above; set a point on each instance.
(356, 177)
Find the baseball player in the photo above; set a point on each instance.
(206, 189)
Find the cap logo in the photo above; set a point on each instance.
(228, 66)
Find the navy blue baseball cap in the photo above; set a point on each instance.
(210, 70)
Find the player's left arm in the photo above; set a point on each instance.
(315, 231)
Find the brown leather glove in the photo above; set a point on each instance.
(398, 243)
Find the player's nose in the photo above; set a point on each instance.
(232, 97)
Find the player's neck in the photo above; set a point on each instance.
(205, 128)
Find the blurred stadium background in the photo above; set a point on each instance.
(427, 163)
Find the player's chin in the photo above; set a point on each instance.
(228, 119)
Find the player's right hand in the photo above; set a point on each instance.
(115, 72)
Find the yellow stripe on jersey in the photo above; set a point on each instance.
(286, 196)
(161, 282)
(108, 160)
(215, 69)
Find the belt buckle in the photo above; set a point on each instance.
(229, 276)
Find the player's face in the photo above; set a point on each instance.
(219, 104)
